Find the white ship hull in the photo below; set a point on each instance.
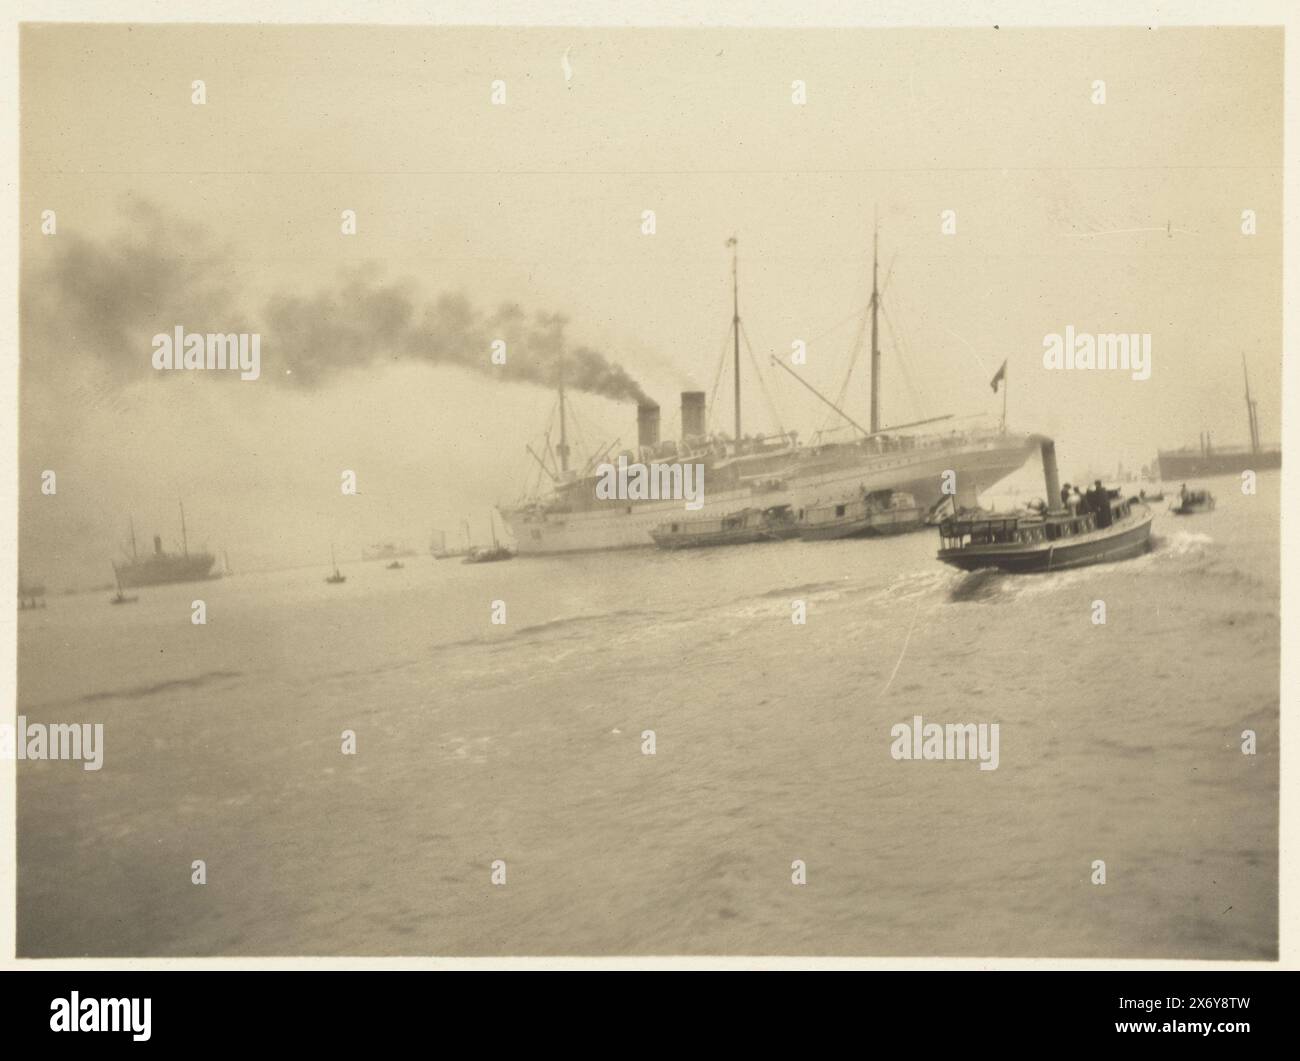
(977, 463)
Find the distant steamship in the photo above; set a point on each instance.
(757, 472)
(161, 567)
(1188, 463)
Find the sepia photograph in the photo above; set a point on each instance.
(631, 491)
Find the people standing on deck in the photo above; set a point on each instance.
(1102, 504)
(1087, 501)
(1065, 496)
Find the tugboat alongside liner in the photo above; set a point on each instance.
(1051, 540)
(869, 515)
(883, 512)
(745, 527)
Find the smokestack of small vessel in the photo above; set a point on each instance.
(1051, 476)
(693, 419)
(647, 425)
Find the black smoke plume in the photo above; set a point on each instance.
(104, 300)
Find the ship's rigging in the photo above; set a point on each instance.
(869, 319)
(735, 333)
(550, 463)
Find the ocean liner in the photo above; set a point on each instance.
(758, 472)
(1188, 463)
(162, 567)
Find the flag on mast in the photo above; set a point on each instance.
(999, 377)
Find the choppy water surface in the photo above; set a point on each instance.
(522, 742)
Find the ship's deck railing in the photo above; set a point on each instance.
(1019, 528)
(881, 444)
(1026, 528)
(877, 445)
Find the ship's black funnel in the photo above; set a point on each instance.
(157, 544)
(693, 418)
(647, 425)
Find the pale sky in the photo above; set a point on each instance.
(1124, 216)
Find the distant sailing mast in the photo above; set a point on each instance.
(875, 328)
(1251, 411)
(338, 575)
(563, 448)
(735, 322)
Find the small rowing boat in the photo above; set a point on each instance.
(1192, 502)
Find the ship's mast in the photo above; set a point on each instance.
(875, 335)
(1005, 388)
(1250, 410)
(563, 448)
(133, 555)
(185, 542)
(825, 400)
(735, 323)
